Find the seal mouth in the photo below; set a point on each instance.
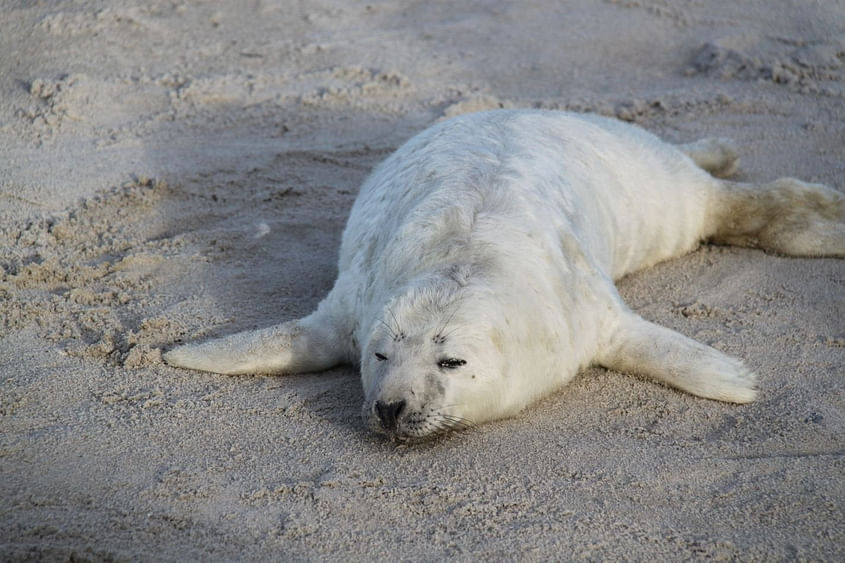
(400, 424)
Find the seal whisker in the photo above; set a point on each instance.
(454, 422)
(398, 333)
(448, 406)
(451, 332)
(440, 330)
(390, 330)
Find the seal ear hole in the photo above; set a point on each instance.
(451, 363)
(380, 357)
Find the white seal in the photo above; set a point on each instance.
(476, 270)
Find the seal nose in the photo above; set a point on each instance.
(389, 412)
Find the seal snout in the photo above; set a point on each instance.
(388, 413)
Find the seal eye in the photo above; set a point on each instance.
(451, 363)
(380, 357)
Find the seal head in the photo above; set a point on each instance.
(427, 366)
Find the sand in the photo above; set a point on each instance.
(174, 170)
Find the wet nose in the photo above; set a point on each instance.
(389, 412)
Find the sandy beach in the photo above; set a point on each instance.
(181, 169)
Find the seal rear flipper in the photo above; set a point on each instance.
(719, 156)
(786, 216)
(293, 347)
(635, 345)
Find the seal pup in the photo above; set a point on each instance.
(476, 269)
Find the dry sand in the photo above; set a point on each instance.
(173, 170)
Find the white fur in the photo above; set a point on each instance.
(494, 238)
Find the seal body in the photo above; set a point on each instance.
(476, 269)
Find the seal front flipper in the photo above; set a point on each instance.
(318, 341)
(635, 345)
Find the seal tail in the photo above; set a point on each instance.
(787, 216)
(635, 345)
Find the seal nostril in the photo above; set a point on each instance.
(389, 412)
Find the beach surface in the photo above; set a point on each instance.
(176, 170)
